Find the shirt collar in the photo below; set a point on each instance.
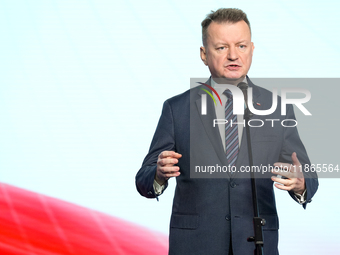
(222, 87)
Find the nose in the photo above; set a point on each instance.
(232, 54)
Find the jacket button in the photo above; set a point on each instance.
(227, 217)
(233, 184)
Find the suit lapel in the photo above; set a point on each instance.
(211, 131)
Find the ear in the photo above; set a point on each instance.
(203, 55)
(252, 48)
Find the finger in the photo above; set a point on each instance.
(171, 154)
(282, 187)
(283, 173)
(282, 169)
(282, 166)
(286, 167)
(165, 154)
(169, 169)
(295, 160)
(297, 165)
(169, 175)
(167, 161)
(177, 155)
(286, 182)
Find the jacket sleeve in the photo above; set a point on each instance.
(292, 143)
(163, 140)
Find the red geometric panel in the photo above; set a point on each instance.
(34, 224)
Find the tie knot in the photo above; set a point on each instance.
(228, 93)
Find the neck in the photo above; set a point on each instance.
(224, 80)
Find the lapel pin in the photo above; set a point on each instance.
(258, 104)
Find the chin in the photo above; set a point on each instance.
(236, 77)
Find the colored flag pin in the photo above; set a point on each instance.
(258, 104)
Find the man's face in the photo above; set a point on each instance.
(228, 52)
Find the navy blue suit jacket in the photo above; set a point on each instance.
(209, 212)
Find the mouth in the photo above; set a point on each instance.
(233, 67)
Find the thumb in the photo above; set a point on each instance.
(295, 159)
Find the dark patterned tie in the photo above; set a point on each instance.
(231, 132)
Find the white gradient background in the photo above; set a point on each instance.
(82, 84)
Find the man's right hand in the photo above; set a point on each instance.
(165, 166)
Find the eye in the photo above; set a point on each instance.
(221, 48)
(242, 47)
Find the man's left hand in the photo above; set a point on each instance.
(294, 181)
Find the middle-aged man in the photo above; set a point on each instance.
(214, 215)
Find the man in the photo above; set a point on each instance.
(214, 215)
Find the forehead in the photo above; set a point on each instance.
(228, 32)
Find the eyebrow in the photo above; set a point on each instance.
(224, 43)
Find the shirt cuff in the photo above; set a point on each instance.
(301, 198)
(158, 188)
